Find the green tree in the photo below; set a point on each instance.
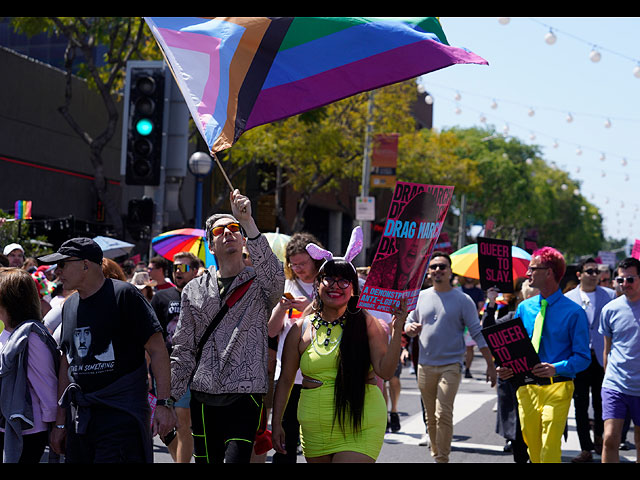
(315, 151)
(508, 181)
(123, 38)
(18, 232)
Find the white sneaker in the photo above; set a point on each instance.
(424, 440)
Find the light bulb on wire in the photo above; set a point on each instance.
(594, 55)
(550, 37)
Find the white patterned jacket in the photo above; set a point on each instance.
(234, 359)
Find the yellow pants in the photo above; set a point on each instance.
(543, 413)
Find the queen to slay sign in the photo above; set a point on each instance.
(511, 347)
(413, 225)
(495, 264)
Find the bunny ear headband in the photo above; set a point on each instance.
(353, 249)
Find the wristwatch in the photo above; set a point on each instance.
(165, 402)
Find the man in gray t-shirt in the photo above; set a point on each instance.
(440, 317)
(620, 326)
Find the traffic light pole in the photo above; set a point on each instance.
(154, 134)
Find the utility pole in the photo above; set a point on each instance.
(462, 225)
(366, 174)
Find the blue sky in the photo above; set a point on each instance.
(536, 86)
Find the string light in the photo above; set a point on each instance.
(595, 54)
(532, 134)
(550, 37)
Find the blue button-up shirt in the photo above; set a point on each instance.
(565, 334)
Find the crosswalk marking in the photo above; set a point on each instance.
(413, 428)
(466, 404)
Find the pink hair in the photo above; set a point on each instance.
(551, 257)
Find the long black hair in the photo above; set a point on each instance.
(354, 360)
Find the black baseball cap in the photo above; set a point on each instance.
(82, 247)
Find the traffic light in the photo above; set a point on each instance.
(144, 126)
(140, 211)
(140, 214)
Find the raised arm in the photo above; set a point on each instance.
(385, 353)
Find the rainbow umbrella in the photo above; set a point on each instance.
(183, 240)
(464, 262)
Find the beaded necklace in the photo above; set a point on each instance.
(318, 322)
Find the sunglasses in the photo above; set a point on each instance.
(591, 271)
(629, 279)
(533, 269)
(62, 263)
(182, 267)
(342, 282)
(438, 266)
(232, 227)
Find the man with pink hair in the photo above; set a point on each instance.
(559, 331)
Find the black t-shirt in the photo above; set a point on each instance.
(166, 304)
(105, 339)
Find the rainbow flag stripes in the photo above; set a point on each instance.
(23, 210)
(240, 72)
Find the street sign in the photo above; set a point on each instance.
(366, 209)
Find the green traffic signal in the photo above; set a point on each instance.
(144, 126)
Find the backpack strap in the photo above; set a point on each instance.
(236, 295)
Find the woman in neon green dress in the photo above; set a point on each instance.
(339, 350)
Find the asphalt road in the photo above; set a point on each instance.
(474, 439)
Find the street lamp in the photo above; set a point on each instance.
(199, 165)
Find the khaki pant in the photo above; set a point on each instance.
(438, 386)
(543, 411)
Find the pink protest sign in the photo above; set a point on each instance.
(635, 253)
(412, 228)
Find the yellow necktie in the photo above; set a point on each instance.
(537, 327)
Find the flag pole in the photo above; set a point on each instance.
(222, 170)
(224, 174)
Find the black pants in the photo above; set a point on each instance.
(33, 446)
(291, 429)
(588, 381)
(225, 433)
(112, 436)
